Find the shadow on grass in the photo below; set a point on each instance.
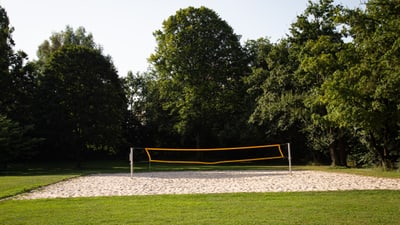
(67, 168)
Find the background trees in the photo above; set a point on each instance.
(16, 97)
(330, 87)
(199, 63)
(364, 97)
(296, 68)
(16, 79)
(83, 101)
(317, 41)
(65, 38)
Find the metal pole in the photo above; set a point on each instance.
(131, 161)
(290, 159)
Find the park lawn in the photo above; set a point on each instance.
(21, 178)
(373, 172)
(11, 185)
(343, 207)
(347, 207)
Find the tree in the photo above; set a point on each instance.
(17, 84)
(13, 141)
(149, 124)
(136, 89)
(278, 105)
(6, 55)
(66, 38)
(200, 64)
(83, 101)
(364, 97)
(276, 86)
(318, 62)
(296, 69)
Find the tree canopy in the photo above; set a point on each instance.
(199, 62)
(364, 96)
(331, 87)
(83, 100)
(66, 37)
(16, 98)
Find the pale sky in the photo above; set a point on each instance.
(124, 28)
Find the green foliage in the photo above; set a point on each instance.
(16, 98)
(295, 70)
(13, 141)
(148, 124)
(6, 42)
(83, 101)
(277, 100)
(364, 97)
(16, 81)
(66, 38)
(332, 85)
(199, 63)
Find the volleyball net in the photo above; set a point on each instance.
(211, 156)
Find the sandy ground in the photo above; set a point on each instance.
(191, 182)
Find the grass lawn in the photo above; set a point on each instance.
(13, 184)
(373, 172)
(350, 207)
(345, 207)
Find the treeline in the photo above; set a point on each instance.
(330, 87)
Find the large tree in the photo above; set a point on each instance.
(317, 36)
(17, 85)
(6, 45)
(148, 123)
(365, 96)
(296, 68)
(83, 103)
(200, 63)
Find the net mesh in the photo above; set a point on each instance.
(214, 155)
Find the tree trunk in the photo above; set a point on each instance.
(332, 153)
(381, 152)
(342, 153)
(386, 162)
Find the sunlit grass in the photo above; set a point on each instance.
(342, 207)
(348, 207)
(374, 172)
(13, 185)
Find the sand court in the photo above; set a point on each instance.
(203, 182)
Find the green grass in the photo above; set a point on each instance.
(373, 172)
(346, 207)
(13, 185)
(352, 207)
(25, 177)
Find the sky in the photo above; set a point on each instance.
(124, 28)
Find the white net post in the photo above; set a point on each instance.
(131, 160)
(289, 159)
